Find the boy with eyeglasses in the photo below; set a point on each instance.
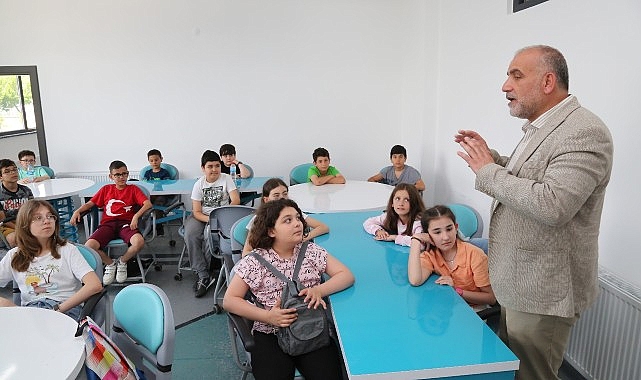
(12, 196)
(26, 158)
(122, 206)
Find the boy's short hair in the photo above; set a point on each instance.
(7, 163)
(226, 149)
(116, 165)
(398, 149)
(24, 153)
(208, 156)
(154, 152)
(320, 152)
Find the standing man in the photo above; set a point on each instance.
(548, 198)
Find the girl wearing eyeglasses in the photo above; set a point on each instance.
(49, 271)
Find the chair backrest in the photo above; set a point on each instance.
(221, 220)
(251, 171)
(92, 257)
(144, 328)
(298, 174)
(173, 171)
(239, 233)
(146, 223)
(100, 310)
(49, 171)
(469, 222)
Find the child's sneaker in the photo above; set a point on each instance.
(201, 287)
(110, 274)
(121, 272)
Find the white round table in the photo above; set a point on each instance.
(39, 344)
(58, 187)
(351, 196)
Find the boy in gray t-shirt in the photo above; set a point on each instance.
(398, 172)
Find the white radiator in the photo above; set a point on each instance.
(94, 176)
(605, 343)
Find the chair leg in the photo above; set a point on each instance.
(181, 267)
(219, 289)
(142, 269)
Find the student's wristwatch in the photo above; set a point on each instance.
(56, 307)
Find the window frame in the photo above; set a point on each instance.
(519, 5)
(32, 72)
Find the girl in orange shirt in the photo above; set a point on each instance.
(460, 265)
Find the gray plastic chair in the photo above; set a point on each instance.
(221, 220)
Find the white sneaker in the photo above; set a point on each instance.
(121, 272)
(110, 274)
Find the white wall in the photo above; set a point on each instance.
(279, 78)
(275, 78)
(10, 146)
(600, 41)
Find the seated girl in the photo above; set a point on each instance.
(47, 269)
(277, 236)
(461, 265)
(274, 189)
(401, 219)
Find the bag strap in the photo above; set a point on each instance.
(276, 272)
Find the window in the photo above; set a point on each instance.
(519, 5)
(20, 109)
(17, 110)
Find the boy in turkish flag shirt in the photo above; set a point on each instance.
(122, 206)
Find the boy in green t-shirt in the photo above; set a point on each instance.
(322, 173)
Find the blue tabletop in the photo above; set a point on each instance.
(389, 329)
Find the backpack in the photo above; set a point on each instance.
(310, 331)
(103, 358)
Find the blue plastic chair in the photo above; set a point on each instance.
(239, 234)
(247, 197)
(469, 222)
(298, 174)
(100, 311)
(173, 171)
(144, 329)
(49, 171)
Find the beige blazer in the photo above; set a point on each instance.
(544, 227)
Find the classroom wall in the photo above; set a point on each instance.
(10, 146)
(600, 41)
(276, 78)
(280, 78)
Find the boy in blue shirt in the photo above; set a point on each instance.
(398, 172)
(28, 158)
(157, 173)
(322, 173)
